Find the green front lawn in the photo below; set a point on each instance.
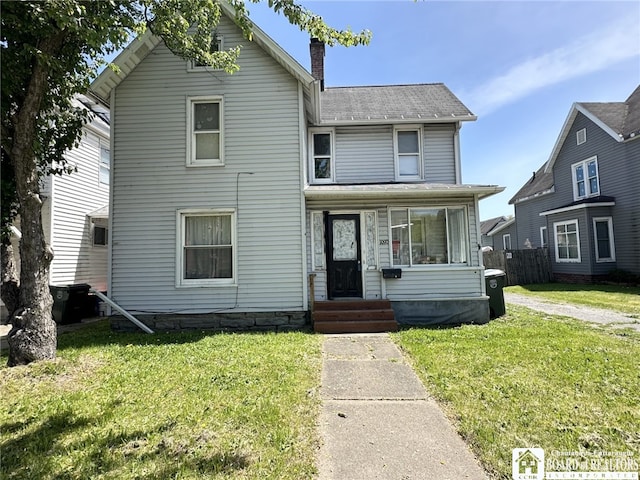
(533, 380)
(163, 406)
(612, 297)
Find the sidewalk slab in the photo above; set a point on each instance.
(377, 420)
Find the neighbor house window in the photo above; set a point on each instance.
(506, 241)
(205, 139)
(322, 163)
(544, 239)
(603, 233)
(428, 236)
(207, 248)
(407, 144)
(100, 236)
(585, 179)
(216, 46)
(567, 241)
(581, 136)
(105, 164)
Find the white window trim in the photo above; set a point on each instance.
(321, 265)
(612, 243)
(581, 136)
(555, 239)
(396, 156)
(364, 244)
(312, 166)
(435, 265)
(104, 144)
(505, 237)
(191, 151)
(543, 230)
(193, 67)
(180, 229)
(574, 179)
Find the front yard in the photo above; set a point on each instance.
(245, 406)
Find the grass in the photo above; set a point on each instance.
(163, 406)
(533, 380)
(612, 297)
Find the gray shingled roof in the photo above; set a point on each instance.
(622, 117)
(393, 103)
(539, 182)
(487, 225)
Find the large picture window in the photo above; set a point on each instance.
(321, 144)
(207, 248)
(585, 179)
(408, 152)
(205, 139)
(603, 233)
(429, 236)
(567, 240)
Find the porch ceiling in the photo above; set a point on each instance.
(399, 190)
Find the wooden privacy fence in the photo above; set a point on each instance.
(522, 267)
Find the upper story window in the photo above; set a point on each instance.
(506, 241)
(581, 136)
(105, 164)
(322, 156)
(216, 46)
(408, 152)
(204, 130)
(100, 235)
(207, 248)
(427, 236)
(585, 178)
(567, 240)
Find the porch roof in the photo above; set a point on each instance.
(399, 190)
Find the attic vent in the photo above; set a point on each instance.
(142, 51)
(581, 136)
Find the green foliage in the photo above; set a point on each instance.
(188, 406)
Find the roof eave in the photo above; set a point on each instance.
(398, 121)
(396, 191)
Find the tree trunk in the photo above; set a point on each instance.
(9, 290)
(33, 336)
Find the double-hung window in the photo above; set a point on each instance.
(408, 153)
(207, 248)
(322, 157)
(603, 236)
(567, 240)
(429, 236)
(544, 242)
(105, 164)
(204, 131)
(506, 241)
(585, 179)
(100, 235)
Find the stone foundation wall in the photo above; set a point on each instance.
(219, 322)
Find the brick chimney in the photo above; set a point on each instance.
(316, 48)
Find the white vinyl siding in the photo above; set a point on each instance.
(567, 241)
(151, 182)
(439, 154)
(76, 258)
(603, 238)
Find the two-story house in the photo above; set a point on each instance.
(582, 203)
(246, 200)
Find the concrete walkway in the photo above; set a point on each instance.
(580, 312)
(378, 421)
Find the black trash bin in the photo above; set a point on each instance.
(495, 281)
(69, 302)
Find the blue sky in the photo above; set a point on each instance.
(518, 65)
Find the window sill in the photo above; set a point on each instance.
(205, 164)
(207, 284)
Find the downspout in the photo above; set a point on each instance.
(113, 304)
(456, 153)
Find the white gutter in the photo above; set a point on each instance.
(113, 304)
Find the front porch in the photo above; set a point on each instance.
(353, 316)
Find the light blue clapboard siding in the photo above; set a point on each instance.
(261, 136)
(439, 156)
(68, 227)
(435, 284)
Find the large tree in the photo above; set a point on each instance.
(50, 52)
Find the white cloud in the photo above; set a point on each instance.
(590, 53)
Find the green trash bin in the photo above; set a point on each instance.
(495, 281)
(69, 302)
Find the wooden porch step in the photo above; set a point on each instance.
(354, 316)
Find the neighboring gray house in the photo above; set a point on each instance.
(504, 235)
(246, 200)
(486, 226)
(583, 202)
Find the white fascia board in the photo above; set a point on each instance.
(577, 207)
(397, 121)
(399, 191)
(535, 195)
